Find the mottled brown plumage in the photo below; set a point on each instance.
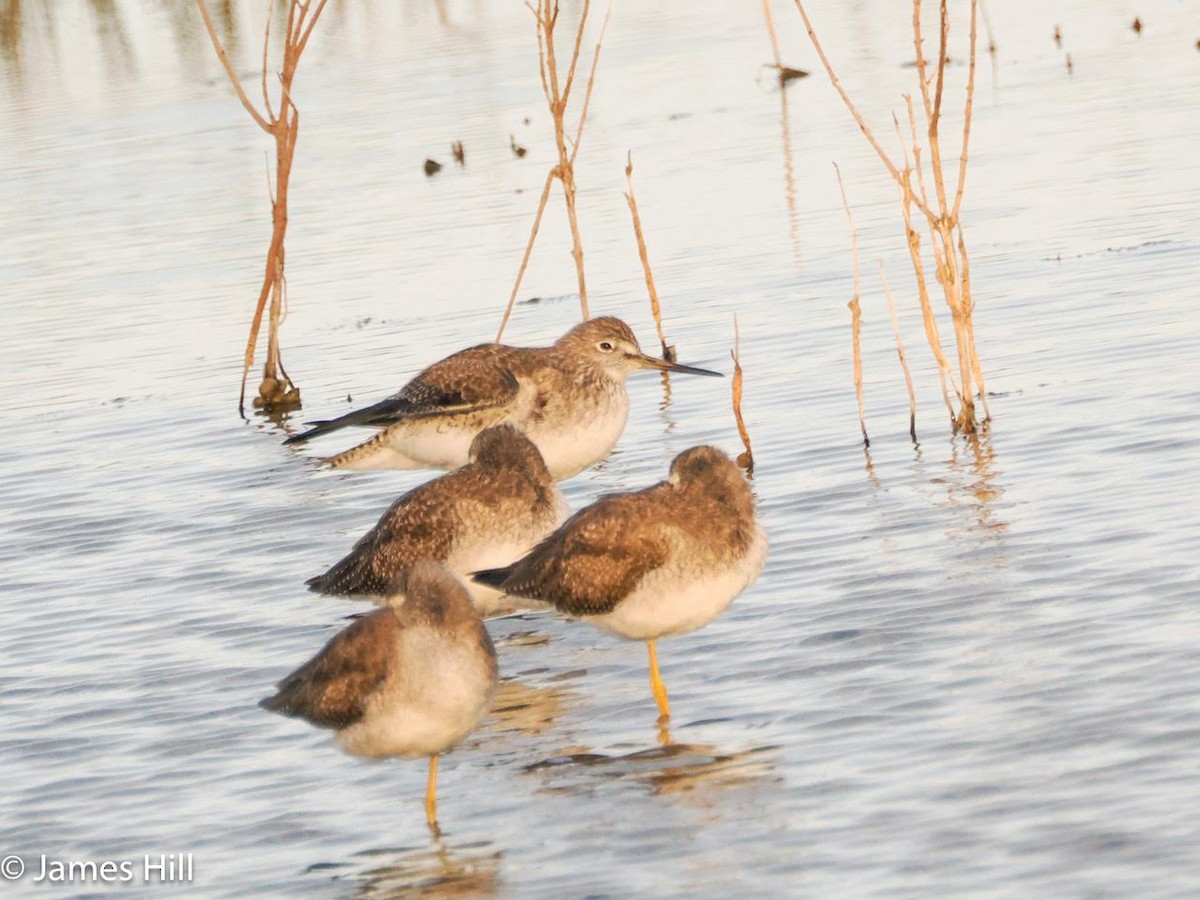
(331, 689)
(489, 511)
(599, 555)
(569, 398)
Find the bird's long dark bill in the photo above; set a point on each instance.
(652, 363)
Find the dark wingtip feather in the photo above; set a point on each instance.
(318, 428)
(274, 703)
(494, 578)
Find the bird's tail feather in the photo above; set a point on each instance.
(493, 578)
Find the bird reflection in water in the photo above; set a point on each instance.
(527, 709)
(670, 768)
(469, 870)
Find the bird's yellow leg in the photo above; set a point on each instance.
(656, 684)
(431, 795)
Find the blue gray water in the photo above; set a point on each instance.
(969, 668)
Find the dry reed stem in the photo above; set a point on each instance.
(968, 108)
(537, 222)
(785, 73)
(591, 83)
(987, 27)
(858, 118)
(855, 312)
(978, 369)
(946, 252)
(933, 107)
(950, 260)
(745, 460)
(928, 319)
(631, 199)
(912, 396)
(557, 96)
(766, 8)
(274, 392)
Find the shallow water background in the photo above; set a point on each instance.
(969, 668)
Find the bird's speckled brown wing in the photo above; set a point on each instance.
(332, 689)
(474, 379)
(422, 524)
(596, 558)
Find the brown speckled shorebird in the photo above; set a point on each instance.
(411, 679)
(570, 399)
(652, 563)
(487, 513)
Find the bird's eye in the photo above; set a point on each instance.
(606, 346)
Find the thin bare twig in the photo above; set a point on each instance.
(311, 25)
(766, 8)
(591, 83)
(233, 79)
(578, 46)
(912, 397)
(745, 460)
(948, 249)
(266, 64)
(858, 118)
(969, 106)
(855, 312)
(537, 222)
(546, 18)
(987, 27)
(631, 199)
(283, 127)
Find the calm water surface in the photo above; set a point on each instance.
(970, 666)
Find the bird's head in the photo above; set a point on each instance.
(610, 345)
(507, 447)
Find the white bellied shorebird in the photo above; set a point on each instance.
(412, 679)
(569, 398)
(487, 513)
(652, 563)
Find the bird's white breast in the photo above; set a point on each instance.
(680, 597)
(574, 436)
(437, 692)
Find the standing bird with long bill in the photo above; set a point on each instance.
(569, 398)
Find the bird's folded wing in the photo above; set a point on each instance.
(594, 560)
(420, 525)
(438, 391)
(332, 689)
(467, 381)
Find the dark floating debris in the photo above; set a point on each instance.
(1058, 37)
(786, 74)
(460, 156)
(912, 63)
(518, 151)
(277, 395)
(1137, 25)
(1070, 65)
(432, 167)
